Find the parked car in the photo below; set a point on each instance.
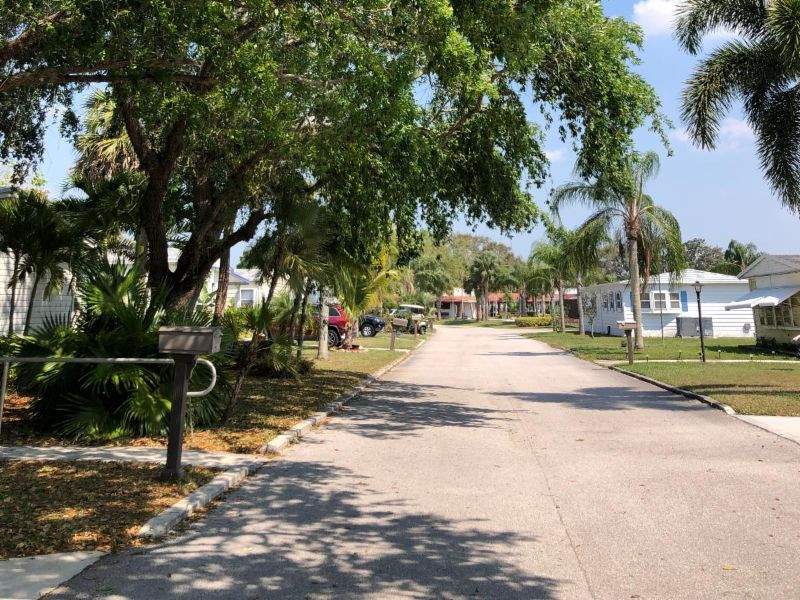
(371, 325)
(338, 323)
(408, 311)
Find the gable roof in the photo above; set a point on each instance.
(686, 277)
(782, 263)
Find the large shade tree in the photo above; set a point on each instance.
(651, 233)
(759, 68)
(383, 111)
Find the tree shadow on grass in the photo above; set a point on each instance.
(313, 530)
(611, 398)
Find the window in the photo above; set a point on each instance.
(783, 316)
(645, 301)
(660, 301)
(675, 300)
(770, 316)
(333, 311)
(246, 298)
(619, 301)
(796, 310)
(761, 314)
(605, 301)
(611, 301)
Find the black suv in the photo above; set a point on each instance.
(370, 325)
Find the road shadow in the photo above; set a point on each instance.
(400, 409)
(612, 398)
(313, 530)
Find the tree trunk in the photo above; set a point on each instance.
(581, 318)
(12, 305)
(289, 329)
(636, 292)
(31, 300)
(302, 325)
(561, 306)
(322, 349)
(223, 279)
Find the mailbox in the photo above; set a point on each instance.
(189, 340)
(399, 322)
(626, 325)
(416, 317)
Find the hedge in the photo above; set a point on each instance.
(540, 321)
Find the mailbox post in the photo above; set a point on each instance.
(184, 345)
(396, 324)
(628, 327)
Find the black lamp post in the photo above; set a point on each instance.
(698, 287)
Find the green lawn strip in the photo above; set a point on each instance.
(612, 348)
(748, 388)
(404, 341)
(60, 506)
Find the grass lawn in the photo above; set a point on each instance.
(750, 388)
(404, 341)
(59, 506)
(612, 348)
(267, 407)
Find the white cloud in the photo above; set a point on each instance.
(655, 17)
(555, 155)
(734, 134)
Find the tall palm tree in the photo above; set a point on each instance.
(553, 258)
(760, 69)
(640, 221)
(482, 273)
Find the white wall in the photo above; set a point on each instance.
(56, 305)
(734, 323)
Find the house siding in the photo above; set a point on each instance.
(770, 272)
(58, 305)
(738, 323)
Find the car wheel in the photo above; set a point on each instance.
(423, 329)
(368, 330)
(333, 338)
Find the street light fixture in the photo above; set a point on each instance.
(698, 287)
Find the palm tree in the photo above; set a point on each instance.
(640, 221)
(552, 258)
(760, 69)
(481, 277)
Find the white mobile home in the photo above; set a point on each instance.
(672, 306)
(774, 297)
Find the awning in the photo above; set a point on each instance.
(765, 297)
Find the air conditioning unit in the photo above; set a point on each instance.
(690, 327)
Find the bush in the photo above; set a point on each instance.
(117, 318)
(540, 321)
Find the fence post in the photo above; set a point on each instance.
(393, 338)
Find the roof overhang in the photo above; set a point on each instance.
(763, 298)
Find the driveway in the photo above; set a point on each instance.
(492, 466)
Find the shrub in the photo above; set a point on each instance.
(540, 321)
(117, 318)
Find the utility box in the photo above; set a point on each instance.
(690, 327)
(189, 340)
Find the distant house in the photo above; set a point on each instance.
(458, 305)
(773, 296)
(672, 305)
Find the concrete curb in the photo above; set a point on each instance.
(676, 390)
(159, 525)
(279, 443)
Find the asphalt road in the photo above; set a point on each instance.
(491, 466)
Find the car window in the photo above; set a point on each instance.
(333, 311)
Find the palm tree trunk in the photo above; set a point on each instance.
(636, 292)
(293, 315)
(223, 279)
(13, 300)
(322, 349)
(301, 326)
(581, 317)
(31, 301)
(561, 306)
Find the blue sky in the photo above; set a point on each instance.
(716, 195)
